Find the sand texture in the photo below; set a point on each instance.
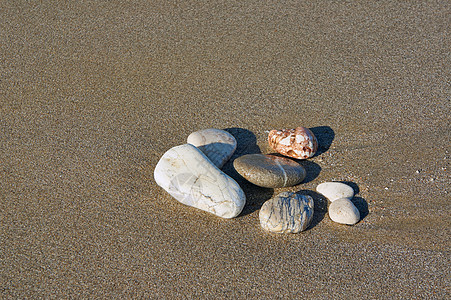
(93, 93)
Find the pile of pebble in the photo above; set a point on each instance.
(191, 173)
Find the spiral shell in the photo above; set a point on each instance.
(298, 143)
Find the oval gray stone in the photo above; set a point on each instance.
(269, 171)
(288, 212)
(343, 211)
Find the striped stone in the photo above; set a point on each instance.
(288, 212)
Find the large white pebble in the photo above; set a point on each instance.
(335, 190)
(191, 178)
(343, 211)
(218, 145)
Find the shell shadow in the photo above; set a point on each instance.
(246, 144)
(325, 135)
(320, 206)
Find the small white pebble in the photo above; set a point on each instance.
(343, 211)
(335, 190)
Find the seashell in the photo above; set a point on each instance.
(218, 145)
(298, 143)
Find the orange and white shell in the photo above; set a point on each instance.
(298, 143)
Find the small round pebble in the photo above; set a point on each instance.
(288, 212)
(343, 211)
(335, 190)
(269, 171)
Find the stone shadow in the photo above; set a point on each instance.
(354, 186)
(319, 209)
(312, 169)
(359, 202)
(362, 206)
(325, 135)
(246, 144)
(256, 196)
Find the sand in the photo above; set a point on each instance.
(93, 93)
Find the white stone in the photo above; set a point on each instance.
(218, 145)
(190, 177)
(343, 211)
(335, 190)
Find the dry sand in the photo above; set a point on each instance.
(92, 93)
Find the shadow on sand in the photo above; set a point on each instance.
(320, 206)
(359, 202)
(325, 135)
(255, 195)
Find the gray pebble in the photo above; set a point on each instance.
(269, 171)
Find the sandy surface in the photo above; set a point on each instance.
(94, 92)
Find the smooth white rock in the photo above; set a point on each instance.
(335, 190)
(191, 178)
(343, 211)
(218, 145)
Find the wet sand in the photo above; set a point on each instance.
(93, 93)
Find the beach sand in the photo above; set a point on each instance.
(93, 93)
